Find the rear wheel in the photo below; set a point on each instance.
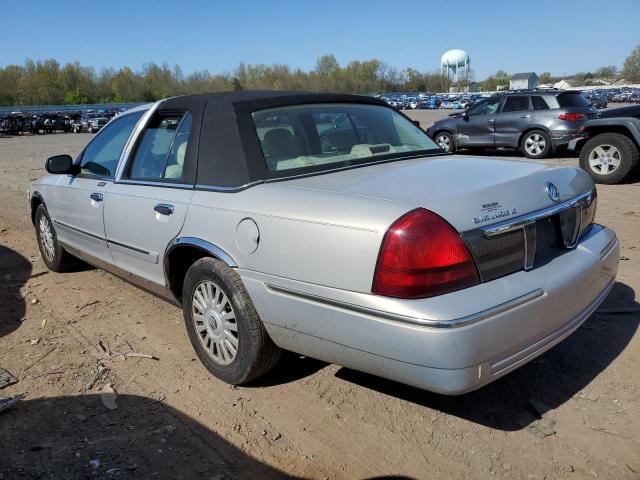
(536, 144)
(445, 141)
(223, 324)
(609, 157)
(55, 257)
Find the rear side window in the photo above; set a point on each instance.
(567, 100)
(335, 135)
(516, 104)
(161, 152)
(539, 103)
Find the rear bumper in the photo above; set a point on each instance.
(564, 137)
(573, 143)
(449, 344)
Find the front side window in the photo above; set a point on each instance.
(338, 135)
(101, 156)
(516, 104)
(488, 107)
(161, 151)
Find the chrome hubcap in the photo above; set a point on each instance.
(535, 144)
(604, 159)
(215, 322)
(46, 238)
(444, 142)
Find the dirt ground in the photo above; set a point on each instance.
(572, 413)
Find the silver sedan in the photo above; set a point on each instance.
(331, 226)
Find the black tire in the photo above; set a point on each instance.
(56, 259)
(628, 155)
(256, 352)
(445, 141)
(535, 135)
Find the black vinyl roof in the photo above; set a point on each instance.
(228, 155)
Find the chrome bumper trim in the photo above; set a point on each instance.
(612, 243)
(423, 322)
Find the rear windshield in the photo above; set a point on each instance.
(336, 135)
(567, 100)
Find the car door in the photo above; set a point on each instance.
(148, 203)
(476, 126)
(514, 118)
(78, 206)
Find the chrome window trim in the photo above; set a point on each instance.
(214, 188)
(158, 183)
(133, 138)
(519, 222)
(422, 322)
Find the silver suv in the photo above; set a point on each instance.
(536, 122)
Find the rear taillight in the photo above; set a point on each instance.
(572, 117)
(422, 256)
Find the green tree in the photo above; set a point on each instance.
(631, 66)
(76, 97)
(544, 77)
(610, 71)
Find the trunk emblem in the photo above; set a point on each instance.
(552, 191)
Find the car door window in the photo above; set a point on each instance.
(516, 104)
(100, 158)
(485, 108)
(161, 152)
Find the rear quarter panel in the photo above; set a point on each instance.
(320, 237)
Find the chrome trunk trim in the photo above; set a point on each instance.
(519, 222)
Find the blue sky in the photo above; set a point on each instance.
(561, 36)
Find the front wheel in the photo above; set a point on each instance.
(55, 257)
(223, 324)
(609, 158)
(536, 144)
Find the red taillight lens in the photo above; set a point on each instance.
(422, 256)
(572, 117)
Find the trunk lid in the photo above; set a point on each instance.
(469, 192)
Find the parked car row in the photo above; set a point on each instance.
(91, 121)
(430, 101)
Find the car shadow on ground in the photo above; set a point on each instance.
(552, 378)
(291, 367)
(15, 270)
(78, 437)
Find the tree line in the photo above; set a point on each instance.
(47, 82)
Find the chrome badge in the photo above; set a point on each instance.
(552, 191)
(493, 211)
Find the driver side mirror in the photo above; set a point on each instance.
(465, 115)
(60, 165)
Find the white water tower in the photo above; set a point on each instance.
(455, 63)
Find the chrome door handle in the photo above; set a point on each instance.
(525, 116)
(164, 209)
(96, 197)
